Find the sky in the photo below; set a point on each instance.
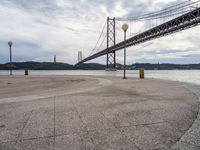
(40, 29)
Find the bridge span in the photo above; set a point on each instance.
(182, 22)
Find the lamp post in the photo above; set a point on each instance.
(10, 45)
(125, 28)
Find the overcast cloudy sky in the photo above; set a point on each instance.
(40, 29)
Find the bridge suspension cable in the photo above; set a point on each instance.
(139, 24)
(101, 43)
(100, 36)
(177, 9)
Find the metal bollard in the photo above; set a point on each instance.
(26, 72)
(141, 73)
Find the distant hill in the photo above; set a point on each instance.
(148, 66)
(92, 66)
(50, 66)
(37, 66)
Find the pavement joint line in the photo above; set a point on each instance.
(37, 138)
(51, 136)
(24, 125)
(83, 123)
(29, 139)
(142, 124)
(137, 147)
(145, 124)
(105, 118)
(119, 130)
(43, 137)
(77, 133)
(109, 120)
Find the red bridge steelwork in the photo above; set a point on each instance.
(182, 22)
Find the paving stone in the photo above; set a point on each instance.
(40, 124)
(144, 138)
(36, 144)
(74, 142)
(12, 125)
(110, 140)
(8, 146)
(117, 117)
(96, 121)
(184, 146)
(68, 122)
(192, 139)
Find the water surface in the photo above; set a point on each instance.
(189, 76)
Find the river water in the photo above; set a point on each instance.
(188, 76)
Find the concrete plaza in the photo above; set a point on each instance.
(94, 113)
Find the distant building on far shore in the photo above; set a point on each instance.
(54, 58)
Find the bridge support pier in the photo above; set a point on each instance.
(111, 57)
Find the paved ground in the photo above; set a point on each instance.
(191, 139)
(94, 113)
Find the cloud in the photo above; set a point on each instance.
(40, 29)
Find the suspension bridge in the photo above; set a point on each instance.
(143, 28)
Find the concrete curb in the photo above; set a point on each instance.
(191, 139)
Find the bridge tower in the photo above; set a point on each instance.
(80, 57)
(111, 61)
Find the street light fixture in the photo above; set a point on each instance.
(10, 45)
(125, 28)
